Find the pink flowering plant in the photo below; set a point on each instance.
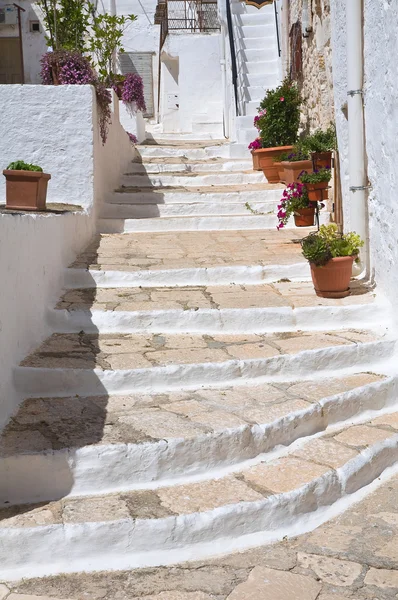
(132, 138)
(295, 197)
(256, 144)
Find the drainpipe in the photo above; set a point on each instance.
(356, 134)
(285, 37)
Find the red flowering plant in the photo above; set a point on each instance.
(255, 145)
(295, 197)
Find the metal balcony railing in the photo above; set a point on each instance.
(195, 16)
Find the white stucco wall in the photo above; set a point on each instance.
(62, 134)
(381, 129)
(51, 126)
(34, 45)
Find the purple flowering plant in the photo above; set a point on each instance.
(133, 91)
(294, 198)
(71, 68)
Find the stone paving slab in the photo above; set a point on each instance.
(193, 249)
(250, 484)
(340, 560)
(293, 295)
(55, 423)
(137, 351)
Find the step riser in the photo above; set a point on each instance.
(267, 32)
(139, 543)
(212, 321)
(144, 211)
(219, 223)
(228, 167)
(124, 467)
(190, 153)
(48, 383)
(183, 197)
(80, 278)
(160, 180)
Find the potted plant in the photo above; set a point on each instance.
(317, 183)
(331, 255)
(320, 146)
(277, 122)
(295, 163)
(26, 186)
(295, 202)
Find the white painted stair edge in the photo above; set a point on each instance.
(134, 543)
(247, 275)
(225, 320)
(47, 383)
(111, 468)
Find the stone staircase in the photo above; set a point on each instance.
(195, 396)
(258, 62)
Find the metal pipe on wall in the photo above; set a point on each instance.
(356, 133)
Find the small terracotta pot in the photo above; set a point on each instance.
(292, 169)
(256, 160)
(333, 280)
(304, 217)
(26, 190)
(322, 159)
(267, 164)
(317, 191)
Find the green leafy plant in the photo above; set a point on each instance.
(318, 176)
(279, 118)
(67, 23)
(318, 248)
(105, 40)
(20, 165)
(321, 141)
(294, 198)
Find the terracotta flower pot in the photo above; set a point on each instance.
(292, 169)
(26, 190)
(267, 164)
(317, 191)
(281, 172)
(322, 159)
(256, 160)
(304, 217)
(333, 280)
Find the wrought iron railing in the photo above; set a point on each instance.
(195, 16)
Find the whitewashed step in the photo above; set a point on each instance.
(256, 67)
(257, 418)
(246, 122)
(266, 31)
(254, 43)
(184, 196)
(266, 80)
(254, 54)
(219, 151)
(252, 108)
(145, 211)
(205, 223)
(191, 167)
(275, 497)
(262, 18)
(191, 180)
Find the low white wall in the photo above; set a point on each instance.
(59, 131)
(381, 130)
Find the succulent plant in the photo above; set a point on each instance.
(316, 250)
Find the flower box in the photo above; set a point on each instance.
(292, 169)
(268, 166)
(26, 190)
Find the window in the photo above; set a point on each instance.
(34, 27)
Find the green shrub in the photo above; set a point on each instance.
(279, 118)
(20, 165)
(321, 141)
(318, 176)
